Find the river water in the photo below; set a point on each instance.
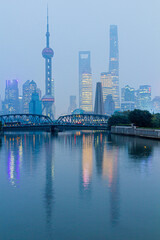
(79, 186)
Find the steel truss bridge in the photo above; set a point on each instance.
(41, 122)
(25, 119)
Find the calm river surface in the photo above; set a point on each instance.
(79, 186)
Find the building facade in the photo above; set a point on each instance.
(128, 98)
(29, 87)
(144, 97)
(114, 64)
(86, 93)
(109, 105)
(35, 105)
(85, 82)
(127, 94)
(11, 102)
(106, 80)
(127, 106)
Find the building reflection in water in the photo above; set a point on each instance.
(140, 151)
(99, 151)
(107, 167)
(22, 148)
(86, 163)
(82, 142)
(106, 160)
(26, 149)
(13, 151)
(49, 181)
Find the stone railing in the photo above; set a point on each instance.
(134, 131)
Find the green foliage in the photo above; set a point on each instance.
(140, 118)
(118, 119)
(156, 120)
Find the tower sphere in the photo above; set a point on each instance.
(47, 53)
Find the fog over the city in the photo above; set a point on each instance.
(75, 26)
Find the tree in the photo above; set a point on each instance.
(140, 118)
(118, 119)
(156, 120)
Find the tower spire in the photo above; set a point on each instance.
(47, 34)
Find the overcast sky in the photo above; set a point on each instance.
(77, 25)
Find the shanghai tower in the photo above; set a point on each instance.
(114, 64)
(48, 98)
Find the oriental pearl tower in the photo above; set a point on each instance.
(48, 98)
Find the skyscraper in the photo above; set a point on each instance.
(109, 105)
(48, 98)
(35, 105)
(144, 97)
(86, 93)
(72, 105)
(11, 102)
(114, 65)
(127, 98)
(29, 87)
(106, 80)
(99, 105)
(127, 94)
(85, 82)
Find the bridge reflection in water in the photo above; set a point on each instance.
(35, 122)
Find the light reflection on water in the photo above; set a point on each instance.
(79, 185)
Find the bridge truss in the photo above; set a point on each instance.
(83, 119)
(25, 119)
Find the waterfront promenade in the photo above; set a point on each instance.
(135, 131)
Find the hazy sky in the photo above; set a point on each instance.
(79, 25)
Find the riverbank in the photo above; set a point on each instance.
(135, 131)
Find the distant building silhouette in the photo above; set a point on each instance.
(29, 87)
(11, 102)
(109, 105)
(85, 82)
(35, 105)
(155, 105)
(99, 105)
(72, 105)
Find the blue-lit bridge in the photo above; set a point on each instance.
(35, 122)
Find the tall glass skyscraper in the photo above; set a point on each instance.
(114, 64)
(85, 82)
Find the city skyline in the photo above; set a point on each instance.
(24, 69)
(108, 92)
